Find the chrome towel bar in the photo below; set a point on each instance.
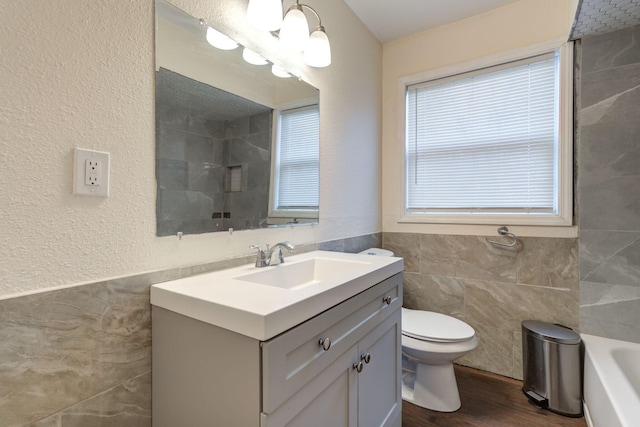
(504, 231)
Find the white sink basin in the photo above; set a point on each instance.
(295, 276)
(263, 302)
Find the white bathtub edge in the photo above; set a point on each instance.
(607, 391)
(587, 417)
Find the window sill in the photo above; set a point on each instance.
(392, 224)
(547, 220)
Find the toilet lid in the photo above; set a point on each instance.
(430, 326)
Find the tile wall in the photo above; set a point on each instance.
(81, 356)
(609, 184)
(491, 288)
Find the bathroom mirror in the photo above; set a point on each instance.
(217, 117)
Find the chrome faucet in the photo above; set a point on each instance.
(264, 257)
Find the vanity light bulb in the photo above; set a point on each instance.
(318, 50)
(252, 58)
(219, 40)
(265, 14)
(279, 71)
(294, 33)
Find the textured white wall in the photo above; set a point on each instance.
(81, 74)
(517, 25)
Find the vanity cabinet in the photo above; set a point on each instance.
(342, 367)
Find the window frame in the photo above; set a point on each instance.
(564, 150)
(275, 147)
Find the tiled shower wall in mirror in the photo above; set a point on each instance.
(195, 157)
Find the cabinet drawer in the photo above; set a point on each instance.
(291, 360)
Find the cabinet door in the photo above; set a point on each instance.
(330, 399)
(379, 392)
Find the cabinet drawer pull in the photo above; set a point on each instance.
(366, 358)
(358, 366)
(325, 343)
(387, 299)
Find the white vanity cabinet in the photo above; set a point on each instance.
(204, 375)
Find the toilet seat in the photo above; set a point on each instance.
(434, 327)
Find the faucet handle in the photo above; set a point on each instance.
(261, 259)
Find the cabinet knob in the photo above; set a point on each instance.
(387, 299)
(366, 358)
(325, 343)
(358, 366)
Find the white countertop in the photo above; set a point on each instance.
(261, 311)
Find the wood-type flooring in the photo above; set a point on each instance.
(488, 400)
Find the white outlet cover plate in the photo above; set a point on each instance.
(81, 157)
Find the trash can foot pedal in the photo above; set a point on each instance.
(539, 400)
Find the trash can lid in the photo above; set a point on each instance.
(550, 332)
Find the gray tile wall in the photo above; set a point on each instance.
(609, 184)
(192, 155)
(81, 356)
(492, 288)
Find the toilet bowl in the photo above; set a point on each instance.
(430, 343)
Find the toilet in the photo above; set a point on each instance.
(430, 343)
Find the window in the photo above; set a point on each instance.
(490, 145)
(296, 165)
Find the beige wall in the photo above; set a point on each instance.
(517, 25)
(81, 74)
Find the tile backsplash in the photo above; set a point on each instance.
(81, 356)
(491, 288)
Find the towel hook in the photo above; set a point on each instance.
(504, 231)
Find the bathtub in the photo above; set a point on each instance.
(611, 382)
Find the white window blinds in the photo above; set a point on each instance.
(484, 141)
(298, 157)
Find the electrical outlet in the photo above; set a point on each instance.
(91, 173)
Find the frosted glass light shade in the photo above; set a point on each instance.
(219, 40)
(265, 14)
(318, 50)
(294, 33)
(253, 58)
(279, 71)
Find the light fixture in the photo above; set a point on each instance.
(318, 50)
(265, 14)
(294, 33)
(279, 71)
(294, 30)
(253, 58)
(216, 39)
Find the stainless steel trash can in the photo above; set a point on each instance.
(552, 373)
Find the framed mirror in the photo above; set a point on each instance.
(236, 145)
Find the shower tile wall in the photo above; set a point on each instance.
(491, 288)
(193, 154)
(81, 356)
(609, 184)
